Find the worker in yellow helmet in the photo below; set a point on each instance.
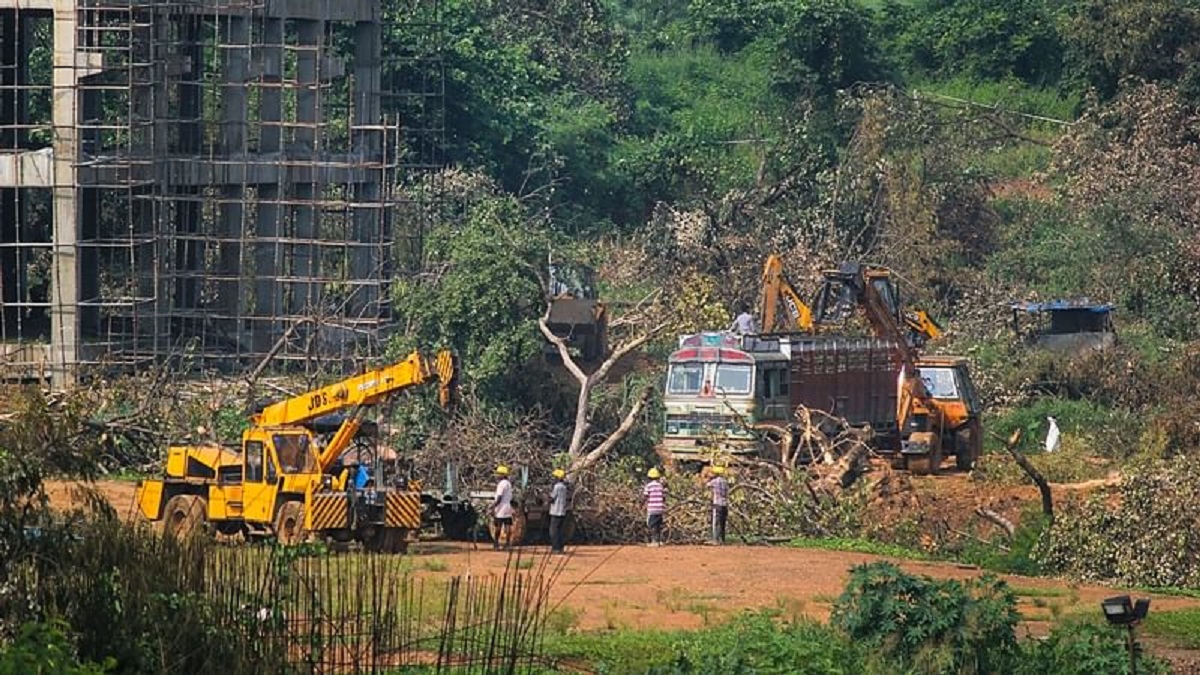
(720, 503)
(559, 505)
(655, 494)
(502, 509)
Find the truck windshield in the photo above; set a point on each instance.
(939, 382)
(733, 379)
(685, 378)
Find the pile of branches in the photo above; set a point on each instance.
(477, 439)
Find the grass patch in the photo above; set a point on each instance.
(1181, 627)
(1030, 592)
(434, 565)
(853, 545)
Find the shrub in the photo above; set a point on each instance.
(1081, 649)
(1146, 532)
(929, 625)
(43, 648)
(754, 643)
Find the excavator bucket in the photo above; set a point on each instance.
(576, 313)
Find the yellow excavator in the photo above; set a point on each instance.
(777, 289)
(938, 410)
(284, 482)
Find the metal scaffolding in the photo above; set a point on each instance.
(210, 180)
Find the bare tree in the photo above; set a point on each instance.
(581, 456)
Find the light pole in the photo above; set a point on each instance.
(1121, 612)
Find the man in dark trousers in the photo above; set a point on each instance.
(720, 503)
(559, 506)
(655, 494)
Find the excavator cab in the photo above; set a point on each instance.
(576, 312)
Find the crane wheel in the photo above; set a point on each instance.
(184, 515)
(289, 523)
(516, 533)
(387, 540)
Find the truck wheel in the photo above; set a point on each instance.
(516, 533)
(289, 523)
(184, 515)
(927, 464)
(964, 459)
(388, 540)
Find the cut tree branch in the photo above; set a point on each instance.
(615, 437)
(1030, 470)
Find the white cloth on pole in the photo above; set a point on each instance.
(1053, 435)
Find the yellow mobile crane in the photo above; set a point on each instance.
(282, 482)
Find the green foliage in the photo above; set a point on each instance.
(1180, 626)
(1021, 556)
(754, 643)
(1144, 533)
(694, 126)
(859, 546)
(1152, 40)
(1082, 649)
(43, 649)
(1100, 430)
(978, 39)
(928, 625)
(485, 302)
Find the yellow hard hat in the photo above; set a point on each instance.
(653, 472)
(717, 470)
(559, 473)
(502, 470)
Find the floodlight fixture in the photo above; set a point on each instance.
(1121, 611)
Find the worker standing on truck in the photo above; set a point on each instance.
(502, 509)
(655, 494)
(720, 504)
(558, 511)
(745, 323)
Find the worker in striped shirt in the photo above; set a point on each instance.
(720, 503)
(655, 494)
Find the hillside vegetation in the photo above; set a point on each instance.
(987, 151)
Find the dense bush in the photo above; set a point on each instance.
(928, 625)
(44, 649)
(1082, 649)
(1146, 532)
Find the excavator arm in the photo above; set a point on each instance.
(854, 286)
(775, 288)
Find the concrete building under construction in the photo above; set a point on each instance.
(214, 180)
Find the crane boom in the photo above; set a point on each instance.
(364, 389)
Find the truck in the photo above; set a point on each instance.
(285, 479)
(723, 389)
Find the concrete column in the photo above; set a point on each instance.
(234, 38)
(306, 253)
(366, 262)
(268, 259)
(64, 298)
(188, 254)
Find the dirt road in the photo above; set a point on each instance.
(606, 587)
(689, 586)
